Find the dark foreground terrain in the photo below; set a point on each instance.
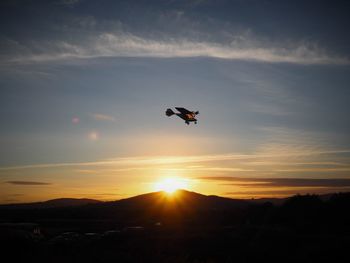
(188, 227)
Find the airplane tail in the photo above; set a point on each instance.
(169, 112)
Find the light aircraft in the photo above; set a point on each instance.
(184, 114)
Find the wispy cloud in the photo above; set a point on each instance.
(15, 194)
(278, 193)
(282, 182)
(27, 183)
(121, 44)
(102, 117)
(171, 160)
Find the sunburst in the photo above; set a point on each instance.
(170, 185)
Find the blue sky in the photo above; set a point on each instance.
(86, 84)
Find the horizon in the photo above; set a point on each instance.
(85, 86)
(174, 194)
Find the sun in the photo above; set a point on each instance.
(170, 185)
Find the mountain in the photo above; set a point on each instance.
(151, 207)
(181, 206)
(54, 203)
(179, 209)
(179, 199)
(183, 227)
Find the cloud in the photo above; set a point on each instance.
(15, 195)
(205, 168)
(103, 117)
(12, 200)
(192, 159)
(122, 44)
(271, 193)
(27, 183)
(282, 182)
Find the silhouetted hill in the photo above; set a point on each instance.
(182, 199)
(278, 201)
(160, 206)
(54, 203)
(273, 200)
(184, 227)
(182, 206)
(185, 207)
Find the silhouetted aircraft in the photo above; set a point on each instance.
(184, 114)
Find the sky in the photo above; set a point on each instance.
(85, 85)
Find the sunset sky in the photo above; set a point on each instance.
(85, 85)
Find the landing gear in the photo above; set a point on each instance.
(195, 122)
(187, 122)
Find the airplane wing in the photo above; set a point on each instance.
(183, 110)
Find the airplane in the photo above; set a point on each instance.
(184, 114)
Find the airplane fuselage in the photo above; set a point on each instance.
(190, 117)
(186, 115)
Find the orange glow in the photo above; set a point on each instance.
(170, 185)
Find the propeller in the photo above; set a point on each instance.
(196, 112)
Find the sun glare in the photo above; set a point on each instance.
(170, 185)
